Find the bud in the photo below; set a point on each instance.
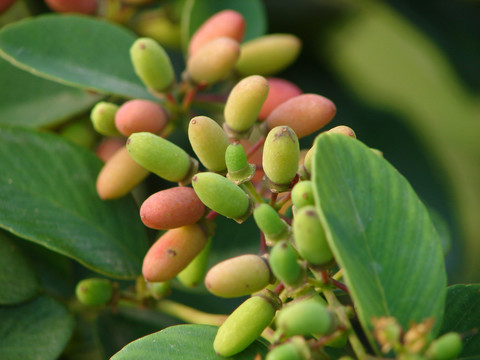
(280, 90)
(94, 291)
(302, 194)
(280, 158)
(344, 130)
(243, 105)
(119, 175)
(172, 252)
(268, 54)
(152, 64)
(226, 23)
(161, 157)
(446, 347)
(103, 118)
(283, 261)
(221, 195)
(239, 170)
(246, 323)
(270, 223)
(238, 276)
(209, 142)
(214, 61)
(139, 116)
(295, 349)
(194, 273)
(172, 208)
(305, 114)
(309, 236)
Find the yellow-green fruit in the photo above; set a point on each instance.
(307, 163)
(94, 291)
(246, 323)
(239, 170)
(268, 54)
(159, 290)
(223, 196)
(209, 142)
(214, 61)
(79, 132)
(305, 318)
(152, 64)
(270, 223)
(103, 118)
(194, 273)
(446, 347)
(344, 130)
(243, 105)
(157, 25)
(302, 194)
(281, 152)
(161, 157)
(309, 236)
(238, 276)
(284, 265)
(295, 349)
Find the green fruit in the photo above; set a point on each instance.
(309, 236)
(284, 265)
(239, 170)
(281, 152)
(194, 273)
(246, 323)
(270, 223)
(152, 64)
(302, 194)
(209, 142)
(295, 349)
(161, 157)
(103, 118)
(223, 196)
(243, 105)
(159, 290)
(446, 347)
(94, 291)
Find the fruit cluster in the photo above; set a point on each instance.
(248, 163)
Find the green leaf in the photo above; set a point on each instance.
(197, 11)
(462, 315)
(379, 232)
(37, 330)
(31, 101)
(48, 195)
(75, 50)
(185, 342)
(17, 277)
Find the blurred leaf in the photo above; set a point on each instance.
(442, 229)
(185, 342)
(379, 232)
(18, 281)
(48, 195)
(37, 330)
(75, 50)
(462, 315)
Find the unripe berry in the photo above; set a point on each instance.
(119, 175)
(239, 170)
(270, 223)
(446, 347)
(94, 291)
(344, 130)
(172, 252)
(280, 158)
(223, 196)
(283, 261)
(305, 318)
(152, 64)
(307, 163)
(243, 105)
(304, 113)
(103, 118)
(159, 290)
(302, 194)
(238, 276)
(140, 115)
(309, 236)
(280, 90)
(172, 208)
(226, 23)
(209, 142)
(295, 349)
(246, 323)
(161, 157)
(194, 273)
(214, 61)
(268, 54)
(73, 6)
(158, 25)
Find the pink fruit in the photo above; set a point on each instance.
(140, 116)
(108, 147)
(75, 6)
(280, 91)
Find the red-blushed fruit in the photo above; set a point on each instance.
(172, 252)
(119, 175)
(108, 147)
(73, 6)
(226, 23)
(304, 113)
(140, 115)
(280, 91)
(172, 208)
(5, 4)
